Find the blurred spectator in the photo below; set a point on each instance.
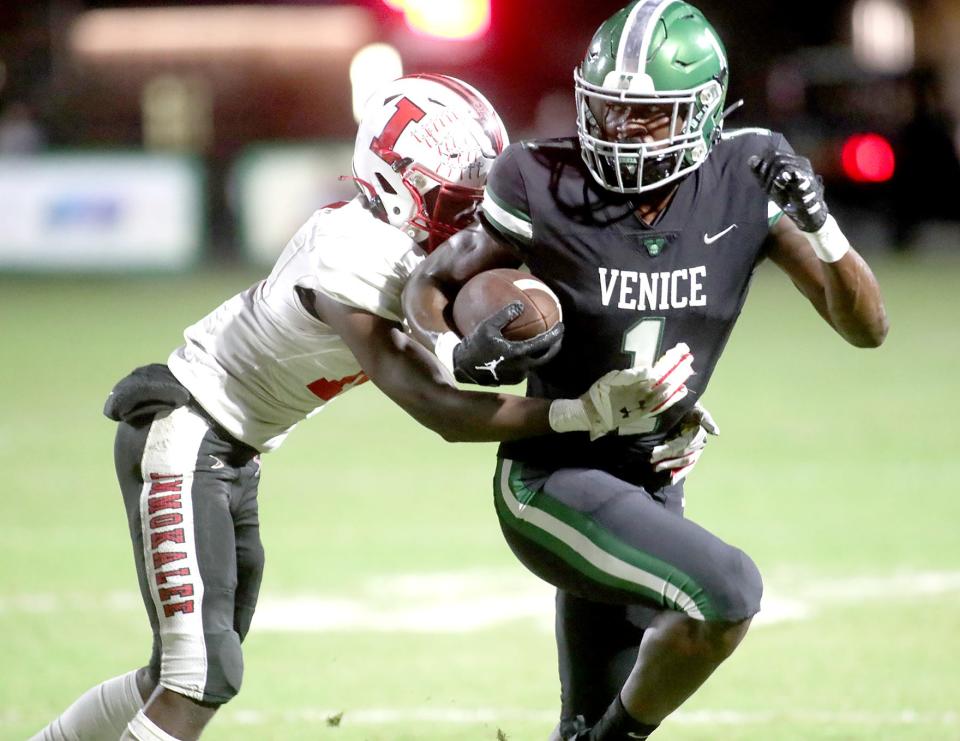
(927, 180)
(20, 133)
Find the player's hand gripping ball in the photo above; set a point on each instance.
(489, 291)
(510, 322)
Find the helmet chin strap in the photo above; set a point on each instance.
(730, 109)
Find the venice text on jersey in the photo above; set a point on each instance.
(676, 289)
(165, 510)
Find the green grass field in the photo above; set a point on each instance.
(389, 595)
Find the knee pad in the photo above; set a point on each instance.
(224, 667)
(210, 673)
(743, 587)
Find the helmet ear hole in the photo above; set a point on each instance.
(386, 185)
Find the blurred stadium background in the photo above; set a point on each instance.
(155, 157)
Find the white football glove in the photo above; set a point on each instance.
(680, 454)
(593, 412)
(625, 400)
(667, 380)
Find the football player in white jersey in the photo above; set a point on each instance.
(326, 319)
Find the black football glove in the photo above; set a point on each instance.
(487, 358)
(792, 184)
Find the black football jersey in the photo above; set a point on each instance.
(630, 291)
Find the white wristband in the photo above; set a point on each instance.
(141, 728)
(568, 415)
(828, 241)
(444, 349)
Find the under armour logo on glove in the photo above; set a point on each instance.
(624, 400)
(666, 385)
(790, 182)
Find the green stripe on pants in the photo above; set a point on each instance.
(586, 546)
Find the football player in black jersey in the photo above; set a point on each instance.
(648, 226)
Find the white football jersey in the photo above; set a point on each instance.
(260, 363)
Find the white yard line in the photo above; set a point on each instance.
(467, 716)
(230, 716)
(466, 602)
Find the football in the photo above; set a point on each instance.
(488, 292)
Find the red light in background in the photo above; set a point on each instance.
(453, 20)
(868, 158)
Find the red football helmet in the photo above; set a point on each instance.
(424, 147)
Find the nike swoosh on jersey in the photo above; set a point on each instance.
(710, 239)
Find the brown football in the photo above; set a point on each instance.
(488, 292)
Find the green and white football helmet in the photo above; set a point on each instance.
(653, 52)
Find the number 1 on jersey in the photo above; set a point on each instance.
(643, 341)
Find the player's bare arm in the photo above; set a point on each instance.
(810, 248)
(411, 376)
(428, 295)
(428, 300)
(845, 293)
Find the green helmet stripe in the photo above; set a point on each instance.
(637, 34)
